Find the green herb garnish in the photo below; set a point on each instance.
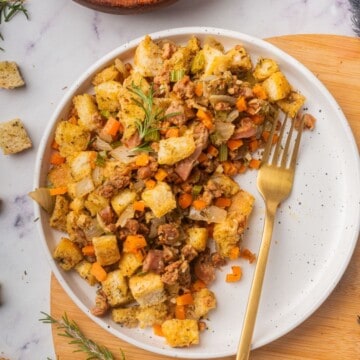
(72, 331)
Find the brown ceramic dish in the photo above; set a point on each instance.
(125, 7)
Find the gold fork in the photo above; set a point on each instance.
(274, 181)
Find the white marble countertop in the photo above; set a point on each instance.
(53, 48)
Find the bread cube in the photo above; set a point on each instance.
(148, 59)
(71, 138)
(95, 202)
(181, 333)
(264, 68)
(174, 149)
(116, 289)
(147, 289)
(276, 86)
(197, 238)
(213, 57)
(126, 316)
(160, 199)
(204, 301)
(226, 236)
(87, 111)
(129, 263)
(106, 249)
(59, 175)
(225, 183)
(77, 205)
(151, 315)
(58, 217)
(67, 254)
(81, 164)
(83, 268)
(107, 95)
(239, 59)
(292, 104)
(10, 76)
(13, 137)
(109, 73)
(122, 200)
(241, 206)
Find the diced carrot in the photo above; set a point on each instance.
(199, 204)
(54, 145)
(236, 270)
(265, 135)
(254, 164)
(98, 271)
(161, 174)
(223, 202)
(198, 89)
(56, 158)
(229, 168)
(112, 126)
(254, 145)
(150, 184)
(157, 329)
(198, 285)
(142, 159)
(133, 243)
(139, 205)
(232, 278)
(202, 158)
(242, 169)
(180, 312)
(234, 253)
(275, 139)
(185, 299)
(172, 132)
(206, 118)
(247, 254)
(212, 150)
(259, 92)
(88, 250)
(258, 119)
(241, 104)
(185, 200)
(58, 190)
(139, 255)
(234, 144)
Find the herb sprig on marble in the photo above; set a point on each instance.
(71, 330)
(8, 9)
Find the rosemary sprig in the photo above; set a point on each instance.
(72, 331)
(8, 9)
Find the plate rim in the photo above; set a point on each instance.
(102, 62)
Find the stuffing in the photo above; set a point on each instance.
(67, 254)
(181, 333)
(106, 249)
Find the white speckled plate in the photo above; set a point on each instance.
(316, 228)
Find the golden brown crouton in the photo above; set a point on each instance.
(67, 253)
(10, 76)
(292, 104)
(83, 268)
(129, 263)
(276, 86)
(151, 315)
(126, 316)
(59, 214)
(197, 238)
(116, 289)
(147, 289)
(13, 137)
(180, 333)
(106, 249)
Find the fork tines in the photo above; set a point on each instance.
(283, 143)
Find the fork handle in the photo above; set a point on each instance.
(255, 292)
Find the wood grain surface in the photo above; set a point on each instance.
(333, 331)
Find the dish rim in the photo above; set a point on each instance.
(100, 63)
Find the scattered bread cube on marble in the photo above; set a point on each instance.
(10, 76)
(13, 137)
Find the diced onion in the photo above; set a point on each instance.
(233, 115)
(101, 145)
(43, 198)
(127, 214)
(83, 187)
(93, 229)
(123, 154)
(214, 99)
(224, 130)
(211, 214)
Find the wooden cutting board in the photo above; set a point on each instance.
(333, 331)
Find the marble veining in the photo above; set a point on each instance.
(53, 48)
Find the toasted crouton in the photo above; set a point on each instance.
(59, 214)
(86, 108)
(107, 95)
(10, 76)
(151, 315)
(106, 249)
(292, 104)
(83, 268)
(129, 263)
(160, 199)
(147, 289)
(173, 150)
(126, 316)
(264, 68)
(204, 301)
(180, 333)
(276, 86)
(13, 137)
(67, 253)
(197, 238)
(116, 289)
(107, 74)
